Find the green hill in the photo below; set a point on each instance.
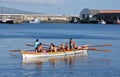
(6, 10)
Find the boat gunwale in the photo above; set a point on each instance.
(57, 52)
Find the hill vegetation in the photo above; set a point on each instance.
(6, 10)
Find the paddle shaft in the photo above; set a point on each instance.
(95, 49)
(98, 50)
(99, 45)
(42, 44)
(19, 50)
(86, 46)
(15, 50)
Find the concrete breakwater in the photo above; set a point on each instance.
(23, 18)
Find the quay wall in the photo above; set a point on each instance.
(21, 18)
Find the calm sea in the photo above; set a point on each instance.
(96, 64)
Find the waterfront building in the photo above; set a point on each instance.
(88, 14)
(93, 15)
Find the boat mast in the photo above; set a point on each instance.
(3, 11)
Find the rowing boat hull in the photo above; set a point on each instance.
(28, 55)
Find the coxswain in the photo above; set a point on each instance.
(72, 44)
(36, 43)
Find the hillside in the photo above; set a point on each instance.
(6, 10)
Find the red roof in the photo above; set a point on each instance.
(109, 11)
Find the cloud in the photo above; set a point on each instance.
(35, 1)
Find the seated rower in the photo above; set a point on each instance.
(61, 47)
(74, 45)
(66, 47)
(39, 48)
(51, 47)
(54, 48)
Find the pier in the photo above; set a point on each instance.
(43, 18)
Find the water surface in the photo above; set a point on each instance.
(96, 64)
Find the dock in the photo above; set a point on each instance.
(43, 18)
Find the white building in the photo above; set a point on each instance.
(93, 15)
(88, 14)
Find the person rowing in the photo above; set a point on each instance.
(66, 47)
(52, 48)
(61, 47)
(40, 47)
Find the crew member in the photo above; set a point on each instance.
(36, 44)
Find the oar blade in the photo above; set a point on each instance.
(104, 50)
(100, 45)
(95, 49)
(29, 45)
(15, 50)
(105, 45)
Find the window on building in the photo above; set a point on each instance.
(83, 16)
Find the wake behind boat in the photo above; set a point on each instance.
(33, 54)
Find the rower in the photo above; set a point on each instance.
(66, 47)
(74, 45)
(39, 48)
(51, 47)
(54, 48)
(61, 47)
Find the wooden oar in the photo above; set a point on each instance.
(29, 45)
(85, 45)
(98, 45)
(42, 44)
(95, 49)
(15, 50)
(98, 50)
(33, 45)
(19, 50)
(103, 50)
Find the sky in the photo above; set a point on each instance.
(65, 7)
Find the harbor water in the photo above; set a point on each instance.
(96, 64)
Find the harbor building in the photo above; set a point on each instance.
(94, 16)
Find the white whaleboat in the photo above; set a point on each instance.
(33, 54)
